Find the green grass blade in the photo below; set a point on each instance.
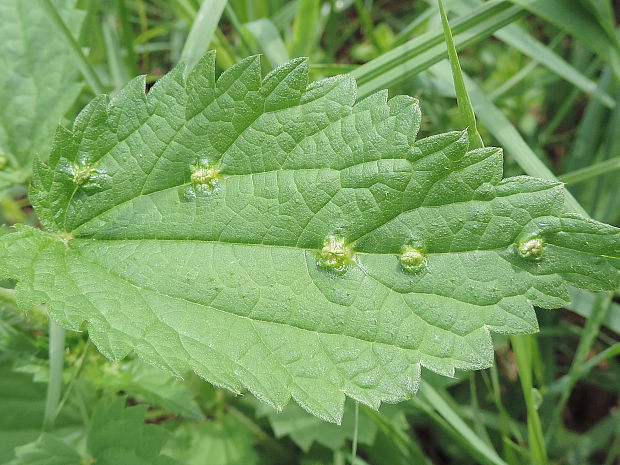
(422, 18)
(369, 28)
(572, 17)
(202, 31)
(304, 28)
(515, 36)
(591, 172)
(91, 77)
(430, 395)
(422, 52)
(116, 64)
(400, 55)
(128, 36)
(269, 40)
(600, 307)
(465, 109)
(230, 14)
(568, 103)
(581, 304)
(408, 447)
(522, 347)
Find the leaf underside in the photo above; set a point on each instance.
(190, 226)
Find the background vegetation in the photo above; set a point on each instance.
(544, 79)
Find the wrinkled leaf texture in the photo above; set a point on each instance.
(224, 280)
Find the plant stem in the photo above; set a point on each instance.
(354, 445)
(54, 384)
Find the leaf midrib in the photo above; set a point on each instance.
(209, 306)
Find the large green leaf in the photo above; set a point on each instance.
(37, 81)
(273, 236)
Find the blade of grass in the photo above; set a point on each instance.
(515, 36)
(505, 420)
(615, 448)
(369, 28)
(522, 347)
(304, 27)
(591, 172)
(332, 69)
(118, 71)
(413, 26)
(600, 307)
(409, 50)
(568, 104)
(186, 10)
(589, 135)
(433, 398)
(478, 423)
(285, 15)
(581, 304)
(576, 20)
(91, 77)
(238, 27)
(422, 52)
(559, 385)
(607, 192)
(128, 36)
(514, 80)
(465, 109)
(407, 446)
(269, 40)
(144, 28)
(355, 432)
(201, 32)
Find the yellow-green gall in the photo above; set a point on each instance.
(412, 259)
(204, 175)
(532, 248)
(335, 255)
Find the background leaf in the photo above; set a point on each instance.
(38, 82)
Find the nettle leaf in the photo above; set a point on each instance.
(274, 236)
(22, 403)
(225, 441)
(117, 436)
(37, 81)
(147, 383)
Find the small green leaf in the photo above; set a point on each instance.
(117, 436)
(147, 383)
(229, 273)
(225, 441)
(22, 402)
(47, 450)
